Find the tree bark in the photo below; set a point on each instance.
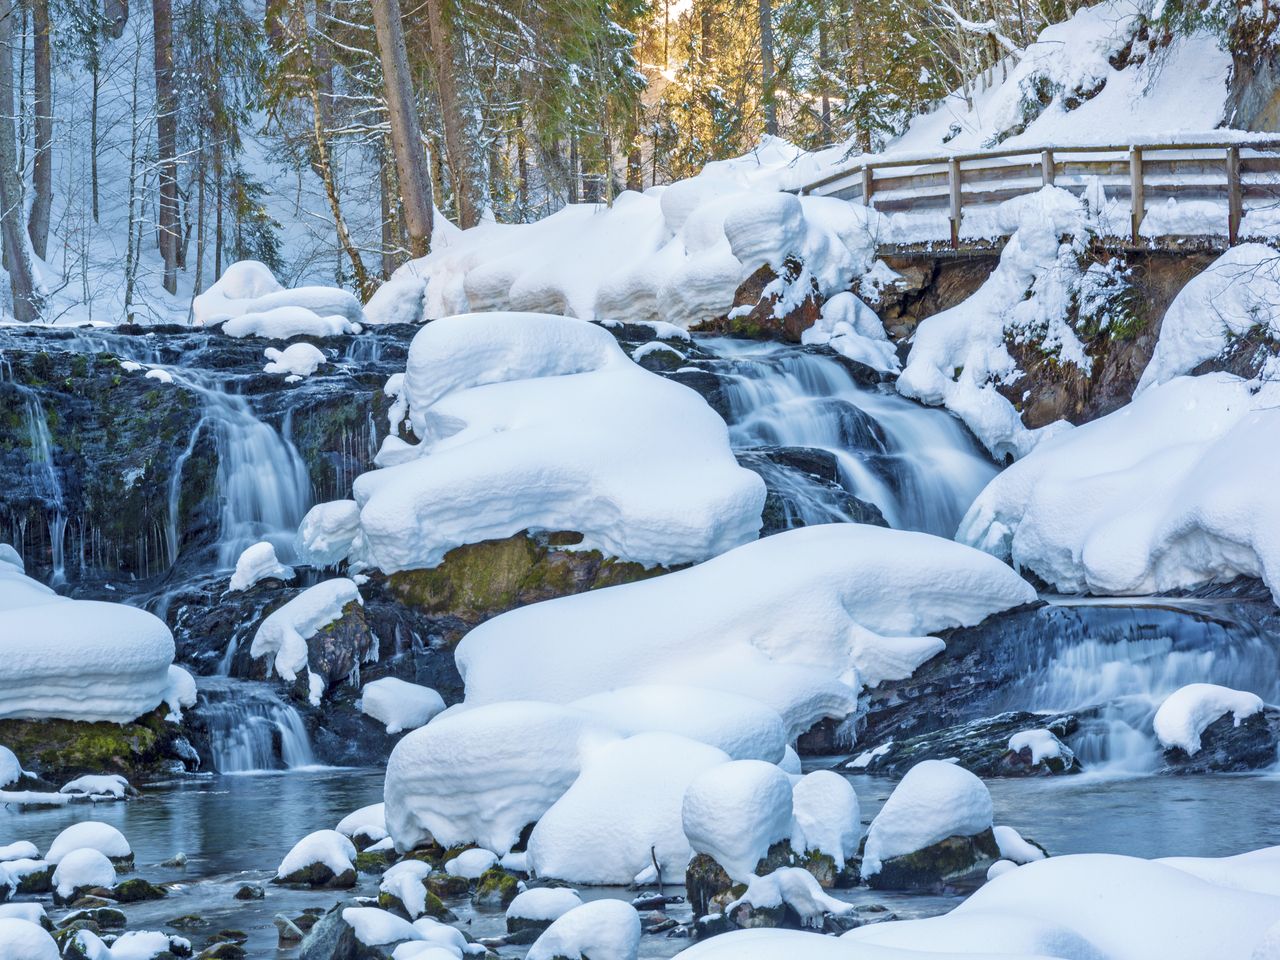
(406, 133)
(459, 115)
(42, 162)
(17, 251)
(766, 68)
(166, 139)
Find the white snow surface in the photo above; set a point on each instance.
(1171, 491)
(795, 887)
(398, 704)
(328, 847)
(296, 361)
(327, 532)
(469, 864)
(140, 945)
(735, 812)
(825, 816)
(601, 928)
(10, 768)
(1186, 712)
(543, 903)
(1014, 848)
(374, 927)
(852, 329)
(374, 815)
(1236, 294)
(744, 728)
(90, 834)
(19, 850)
(406, 882)
(480, 775)
(935, 800)
(626, 802)
(285, 631)
(83, 867)
(1044, 744)
(799, 621)
(24, 940)
(539, 422)
(249, 302)
(99, 785)
(257, 563)
(398, 300)
(94, 660)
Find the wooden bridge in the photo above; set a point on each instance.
(1236, 175)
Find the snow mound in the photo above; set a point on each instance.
(825, 816)
(366, 818)
(735, 812)
(601, 928)
(935, 800)
(92, 835)
(10, 768)
(1169, 492)
(249, 301)
(641, 467)
(296, 361)
(406, 881)
(374, 927)
(19, 850)
(104, 785)
(1257, 870)
(94, 661)
(482, 775)
(674, 255)
(1237, 294)
(1014, 848)
(543, 903)
(24, 940)
(1186, 712)
(625, 804)
(853, 330)
(959, 356)
(743, 728)
(1044, 744)
(257, 563)
(285, 631)
(794, 887)
(978, 934)
(327, 532)
(399, 300)
(469, 864)
(82, 867)
(328, 847)
(398, 704)
(798, 621)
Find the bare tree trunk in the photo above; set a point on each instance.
(116, 14)
(325, 166)
(93, 135)
(166, 139)
(218, 238)
(406, 133)
(766, 68)
(388, 212)
(42, 162)
(824, 71)
(17, 256)
(575, 182)
(463, 142)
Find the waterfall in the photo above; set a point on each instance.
(250, 728)
(918, 465)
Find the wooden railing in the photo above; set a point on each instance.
(1142, 173)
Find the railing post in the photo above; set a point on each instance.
(1046, 168)
(953, 176)
(868, 184)
(1235, 201)
(1137, 200)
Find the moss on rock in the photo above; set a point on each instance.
(495, 889)
(948, 859)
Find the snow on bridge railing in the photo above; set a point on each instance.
(1242, 170)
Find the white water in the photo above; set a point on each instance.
(252, 729)
(918, 465)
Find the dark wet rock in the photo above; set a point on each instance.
(980, 746)
(710, 385)
(756, 302)
(318, 875)
(800, 480)
(83, 900)
(1228, 747)
(227, 950)
(34, 882)
(495, 889)
(337, 649)
(106, 918)
(443, 885)
(374, 861)
(432, 906)
(250, 891)
(746, 916)
(709, 889)
(137, 890)
(190, 921)
(949, 859)
(332, 938)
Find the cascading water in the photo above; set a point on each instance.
(918, 465)
(250, 728)
(46, 483)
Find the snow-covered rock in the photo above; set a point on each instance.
(853, 330)
(373, 817)
(543, 904)
(93, 661)
(406, 883)
(1169, 492)
(93, 835)
(257, 563)
(24, 911)
(469, 864)
(296, 361)
(327, 532)
(1186, 712)
(10, 768)
(482, 775)
(735, 812)
(19, 850)
(1237, 294)
(398, 704)
(374, 927)
(538, 422)
(322, 858)
(1043, 744)
(744, 728)
(1014, 848)
(934, 801)
(110, 785)
(283, 635)
(249, 301)
(180, 693)
(24, 940)
(825, 816)
(799, 621)
(600, 928)
(399, 300)
(623, 810)
(80, 868)
(792, 887)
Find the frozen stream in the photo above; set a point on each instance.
(236, 829)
